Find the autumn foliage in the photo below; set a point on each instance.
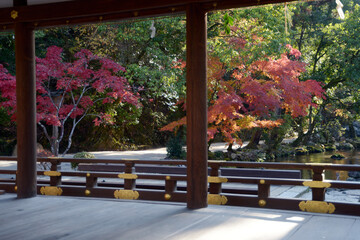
(255, 95)
(69, 91)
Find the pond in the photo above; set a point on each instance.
(351, 157)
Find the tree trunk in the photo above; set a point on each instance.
(275, 139)
(255, 139)
(54, 140)
(352, 133)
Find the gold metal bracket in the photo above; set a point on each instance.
(317, 184)
(14, 14)
(217, 180)
(217, 199)
(51, 191)
(126, 194)
(316, 207)
(52, 173)
(127, 176)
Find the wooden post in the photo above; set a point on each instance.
(196, 106)
(215, 188)
(129, 183)
(318, 194)
(26, 110)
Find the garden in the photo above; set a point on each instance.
(283, 85)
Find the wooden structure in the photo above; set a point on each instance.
(132, 182)
(23, 16)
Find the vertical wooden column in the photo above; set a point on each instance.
(26, 110)
(196, 106)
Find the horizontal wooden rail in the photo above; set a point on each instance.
(165, 180)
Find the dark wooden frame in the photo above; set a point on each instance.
(86, 11)
(24, 19)
(172, 187)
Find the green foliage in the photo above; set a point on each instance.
(273, 137)
(7, 53)
(330, 48)
(330, 147)
(174, 148)
(81, 155)
(7, 134)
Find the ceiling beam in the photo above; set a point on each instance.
(89, 11)
(17, 3)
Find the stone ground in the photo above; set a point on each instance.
(50, 217)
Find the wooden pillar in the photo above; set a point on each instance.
(26, 110)
(196, 106)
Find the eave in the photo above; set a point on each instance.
(89, 11)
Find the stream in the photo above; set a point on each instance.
(351, 157)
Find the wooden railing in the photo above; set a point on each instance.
(223, 190)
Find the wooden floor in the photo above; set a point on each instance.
(46, 217)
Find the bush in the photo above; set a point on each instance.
(174, 148)
(345, 146)
(81, 155)
(330, 147)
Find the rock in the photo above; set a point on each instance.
(316, 148)
(301, 151)
(39, 149)
(251, 155)
(355, 143)
(219, 155)
(354, 174)
(351, 179)
(337, 156)
(344, 146)
(330, 147)
(233, 156)
(284, 150)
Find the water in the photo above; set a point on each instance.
(351, 157)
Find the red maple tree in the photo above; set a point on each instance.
(69, 91)
(253, 93)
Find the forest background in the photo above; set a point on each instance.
(153, 53)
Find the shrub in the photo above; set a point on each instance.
(330, 147)
(81, 155)
(174, 148)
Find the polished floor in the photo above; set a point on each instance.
(46, 217)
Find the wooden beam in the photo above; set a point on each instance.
(85, 11)
(87, 8)
(196, 106)
(17, 3)
(26, 110)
